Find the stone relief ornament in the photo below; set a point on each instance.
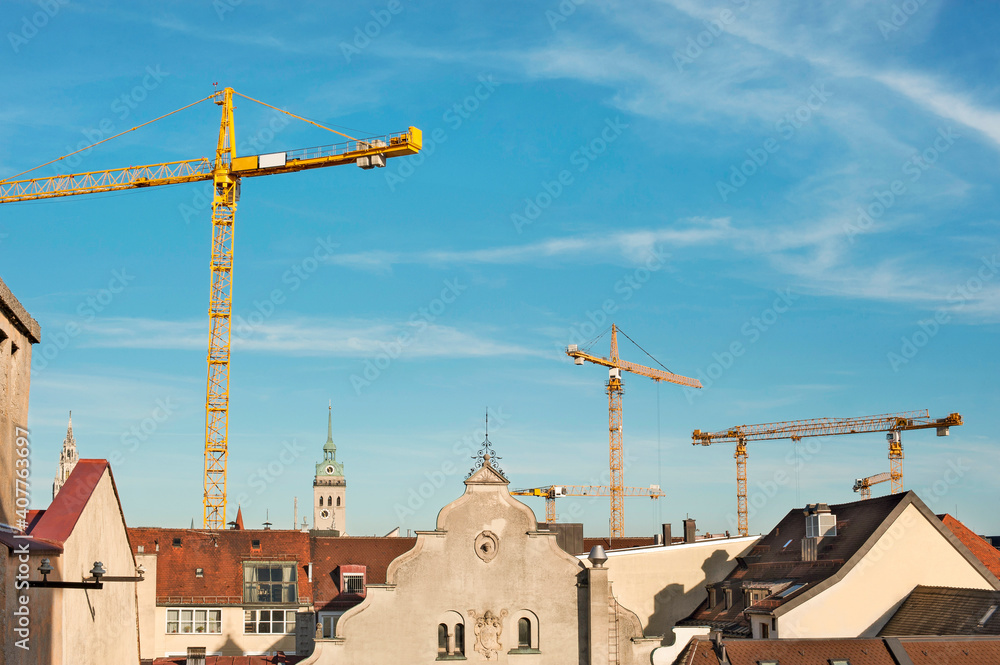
(487, 629)
(487, 545)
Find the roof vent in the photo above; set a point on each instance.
(820, 522)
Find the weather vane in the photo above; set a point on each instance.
(486, 454)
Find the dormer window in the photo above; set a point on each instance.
(354, 583)
(199, 572)
(255, 545)
(177, 542)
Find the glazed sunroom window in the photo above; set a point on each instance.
(269, 582)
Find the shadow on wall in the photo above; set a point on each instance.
(672, 603)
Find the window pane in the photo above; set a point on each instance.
(172, 627)
(460, 639)
(442, 639)
(523, 634)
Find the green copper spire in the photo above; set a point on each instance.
(330, 466)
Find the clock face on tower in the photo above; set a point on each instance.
(329, 469)
(324, 514)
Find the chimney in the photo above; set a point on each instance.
(719, 646)
(820, 523)
(666, 535)
(195, 656)
(689, 531)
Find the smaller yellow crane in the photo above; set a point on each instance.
(864, 485)
(553, 492)
(615, 389)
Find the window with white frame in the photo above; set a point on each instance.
(269, 582)
(354, 583)
(194, 621)
(268, 622)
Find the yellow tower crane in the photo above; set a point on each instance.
(864, 485)
(891, 423)
(615, 389)
(225, 171)
(553, 492)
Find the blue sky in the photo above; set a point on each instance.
(794, 204)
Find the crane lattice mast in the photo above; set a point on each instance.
(615, 389)
(226, 172)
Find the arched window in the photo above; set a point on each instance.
(459, 639)
(527, 631)
(442, 640)
(338, 502)
(329, 501)
(321, 502)
(523, 633)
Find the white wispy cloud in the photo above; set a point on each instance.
(307, 337)
(627, 246)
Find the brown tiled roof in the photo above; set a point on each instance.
(945, 611)
(976, 544)
(373, 552)
(776, 560)
(234, 660)
(791, 652)
(221, 555)
(960, 651)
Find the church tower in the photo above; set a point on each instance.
(67, 459)
(329, 487)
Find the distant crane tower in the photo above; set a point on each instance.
(615, 389)
(226, 171)
(553, 492)
(864, 485)
(891, 423)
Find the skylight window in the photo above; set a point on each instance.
(986, 617)
(789, 591)
(787, 544)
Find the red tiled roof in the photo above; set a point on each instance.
(220, 554)
(373, 552)
(976, 544)
(57, 522)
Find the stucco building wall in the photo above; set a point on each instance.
(663, 585)
(486, 554)
(911, 551)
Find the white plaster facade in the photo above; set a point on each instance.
(466, 589)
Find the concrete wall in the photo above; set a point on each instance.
(663, 585)
(17, 328)
(443, 580)
(17, 331)
(911, 552)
